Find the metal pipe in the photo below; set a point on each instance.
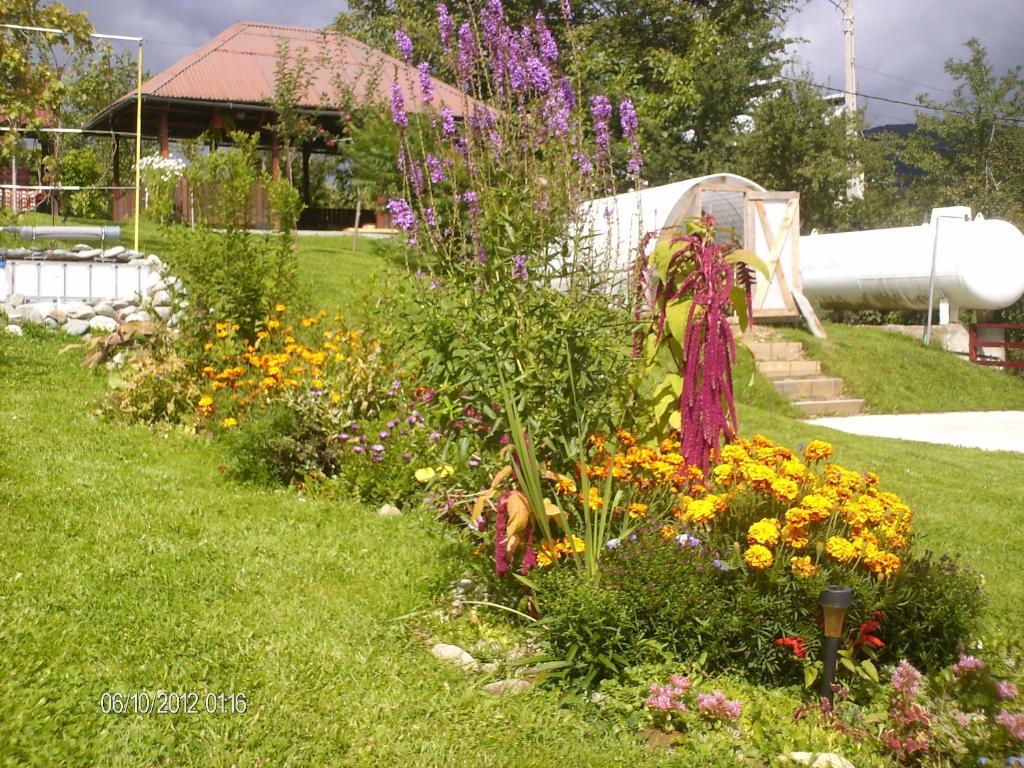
(138, 144)
(65, 233)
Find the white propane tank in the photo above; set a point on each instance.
(979, 264)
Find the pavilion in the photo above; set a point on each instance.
(228, 84)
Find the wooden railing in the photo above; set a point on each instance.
(979, 344)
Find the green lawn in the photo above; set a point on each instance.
(129, 563)
(897, 374)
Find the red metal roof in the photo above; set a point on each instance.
(237, 67)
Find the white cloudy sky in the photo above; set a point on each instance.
(901, 44)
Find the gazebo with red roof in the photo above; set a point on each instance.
(228, 84)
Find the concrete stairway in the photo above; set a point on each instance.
(801, 379)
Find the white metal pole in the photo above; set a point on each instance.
(855, 185)
(138, 144)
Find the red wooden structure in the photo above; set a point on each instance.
(979, 344)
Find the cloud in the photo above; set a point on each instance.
(902, 45)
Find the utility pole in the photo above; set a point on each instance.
(855, 185)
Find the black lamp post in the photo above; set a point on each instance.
(834, 601)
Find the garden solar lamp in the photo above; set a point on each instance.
(834, 601)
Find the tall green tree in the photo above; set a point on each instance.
(690, 66)
(971, 147)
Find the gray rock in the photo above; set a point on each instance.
(113, 253)
(106, 309)
(15, 299)
(164, 313)
(140, 317)
(58, 315)
(103, 323)
(89, 253)
(120, 304)
(81, 311)
(161, 298)
(50, 323)
(511, 686)
(76, 327)
(389, 510)
(454, 655)
(79, 247)
(28, 313)
(13, 330)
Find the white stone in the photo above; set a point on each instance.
(103, 323)
(80, 311)
(454, 655)
(13, 330)
(137, 317)
(114, 252)
(27, 313)
(89, 253)
(501, 687)
(164, 313)
(15, 299)
(161, 298)
(389, 510)
(106, 309)
(76, 327)
(50, 323)
(818, 759)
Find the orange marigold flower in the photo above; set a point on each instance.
(565, 485)
(699, 511)
(758, 557)
(637, 510)
(802, 567)
(795, 536)
(818, 450)
(625, 437)
(668, 532)
(784, 489)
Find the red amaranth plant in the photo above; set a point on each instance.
(697, 284)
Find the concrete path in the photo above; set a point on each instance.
(988, 430)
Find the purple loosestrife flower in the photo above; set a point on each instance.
(568, 94)
(398, 106)
(519, 267)
(583, 161)
(472, 202)
(1006, 690)
(545, 41)
(430, 217)
(434, 169)
(627, 116)
(468, 53)
(601, 112)
(491, 18)
(426, 82)
(481, 259)
(567, 10)
(540, 78)
(402, 215)
(447, 122)
(556, 114)
(446, 25)
(404, 44)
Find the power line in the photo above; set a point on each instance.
(915, 105)
(904, 80)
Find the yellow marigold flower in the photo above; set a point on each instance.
(208, 346)
(425, 474)
(734, 454)
(758, 557)
(335, 397)
(280, 308)
(795, 536)
(322, 313)
(765, 532)
(594, 500)
(818, 450)
(700, 511)
(818, 507)
(802, 567)
(798, 516)
(759, 476)
(668, 532)
(273, 324)
(636, 510)
(228, 423)
(445, 470)
(784, 489)
(268, 382)
(722, 474)
(217, 385)
(840, 549)
(793, 469)
(205, 401)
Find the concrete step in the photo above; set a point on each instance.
(775, 350)
(821, 387)
(789, 369)
(838, 407)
